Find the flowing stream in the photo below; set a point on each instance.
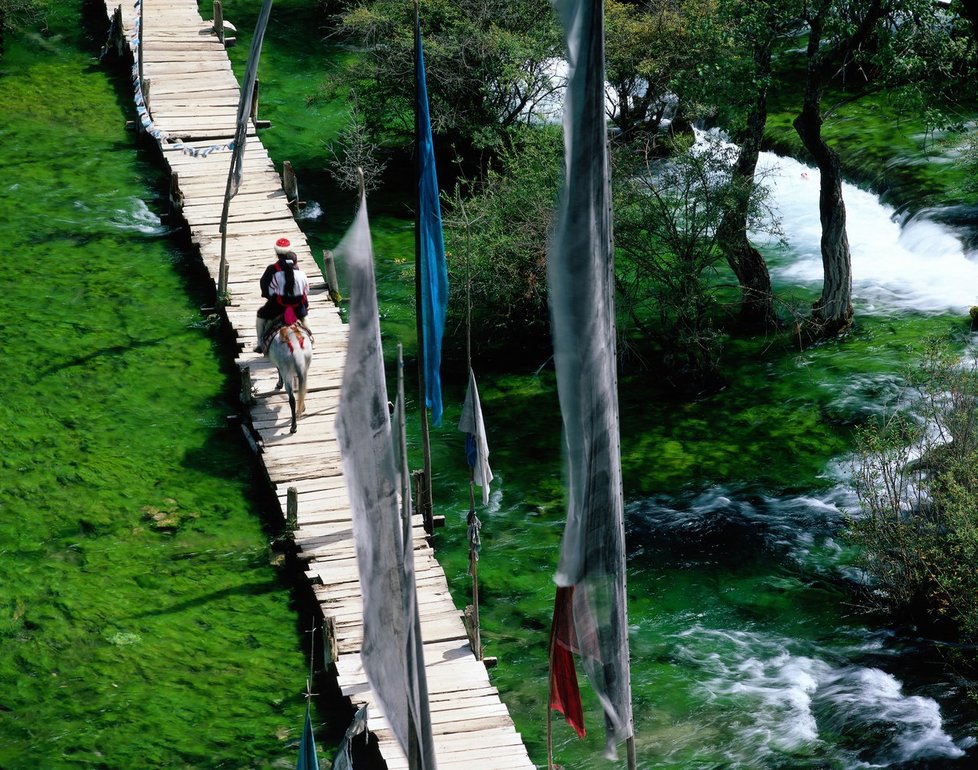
(918, 264)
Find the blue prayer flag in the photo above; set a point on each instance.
(307, 749)
(434, 274)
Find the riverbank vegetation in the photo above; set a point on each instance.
(916, 474)
(882, 95)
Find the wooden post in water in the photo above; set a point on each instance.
(176, 194)
(247, 397)
(329, 639)
(290, 184)
(120, 33)
(146, 83)
(329, 267)
(254, 107)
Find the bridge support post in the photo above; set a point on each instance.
(247, 393)
(329, 639)
(254, 108)
(332, 284)
(292, 510)
(290, 184)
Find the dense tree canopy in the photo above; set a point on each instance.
(489, 64)
(670, 64)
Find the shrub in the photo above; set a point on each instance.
(917, 483)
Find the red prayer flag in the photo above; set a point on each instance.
(565, 696)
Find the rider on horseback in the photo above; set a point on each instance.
(286, 289)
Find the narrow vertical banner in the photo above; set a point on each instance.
(433, 271)
(476, 443)
(307, 747)
(581, 283)
(565, 696)
(391, 653)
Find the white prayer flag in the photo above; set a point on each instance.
(392, 651)
(580, 272)
(476, 445)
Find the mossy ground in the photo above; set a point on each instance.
(144, 620)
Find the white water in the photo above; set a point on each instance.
(138, 218)
(311, 211)
(920, 266)
(785, 701)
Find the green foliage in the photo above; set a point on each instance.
(496, 243)
(657, 54)
(355, 158)
(917, 481)
(17, 15)
(667, 213)
(486, 64)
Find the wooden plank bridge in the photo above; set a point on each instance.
(191, 97)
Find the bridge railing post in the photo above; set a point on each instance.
(292, 510)
(219, 21)
(332, 283)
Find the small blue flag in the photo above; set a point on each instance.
(434, 274)
(307, 749)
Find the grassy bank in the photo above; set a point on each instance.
(144, 618)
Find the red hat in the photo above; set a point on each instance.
(283, 247)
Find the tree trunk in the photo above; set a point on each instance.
(832, 313)
(756, 298)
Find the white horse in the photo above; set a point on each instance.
(290, 349)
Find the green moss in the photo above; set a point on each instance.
(141, 620)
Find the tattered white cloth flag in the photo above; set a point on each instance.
(392, 653)
(580, 272)
(476, 445)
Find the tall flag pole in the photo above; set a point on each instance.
(240, 133)
(580, 275)
(392, 651)
(431, 274)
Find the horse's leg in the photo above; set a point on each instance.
(292, 407)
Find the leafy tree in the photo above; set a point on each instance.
(355, 159)
(755, 29)
(916, 477)
(488, 64)
(18, 14)
(667, 217)
(855, 40)
(657, 51)
(968, 9)
(496, 243)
